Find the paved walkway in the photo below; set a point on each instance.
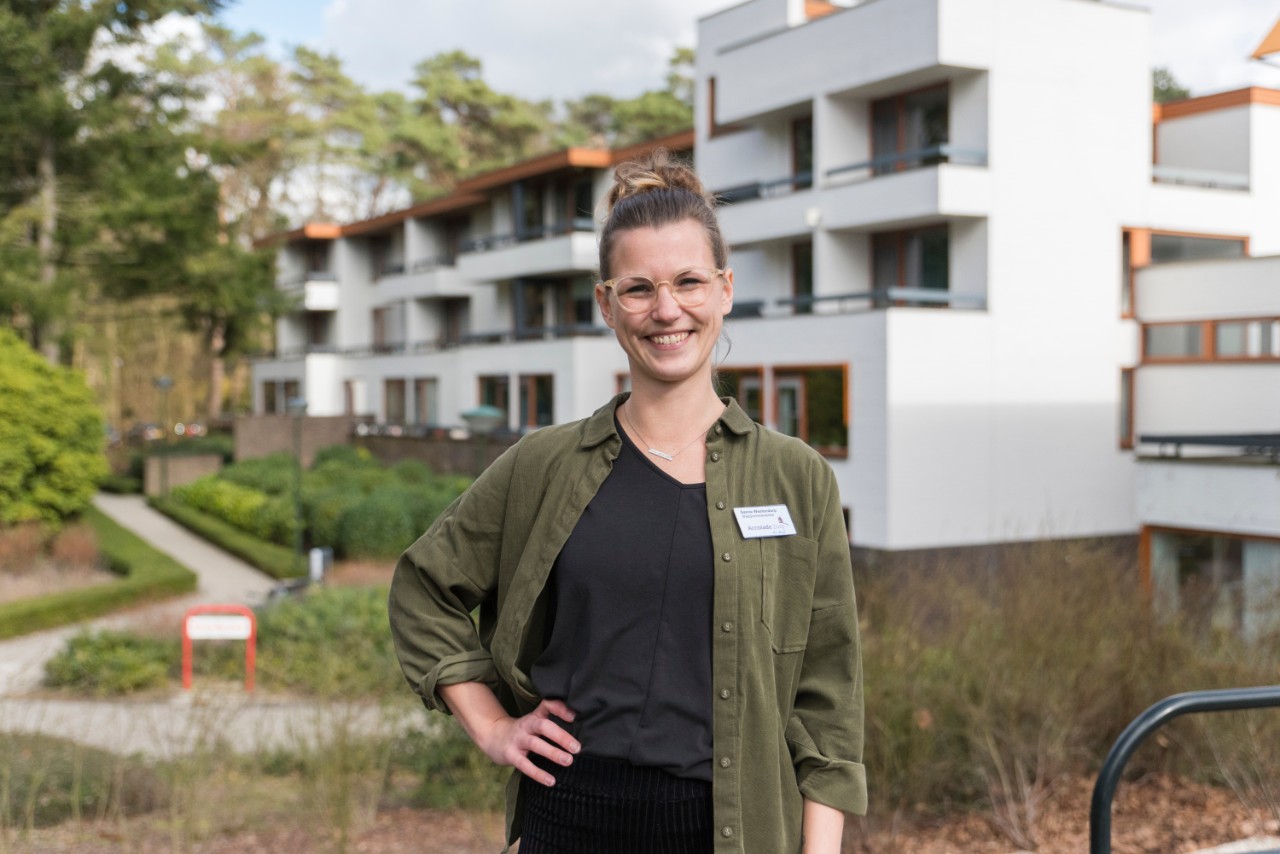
(182, 722)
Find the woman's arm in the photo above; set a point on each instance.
(822, 829)
(507, 740)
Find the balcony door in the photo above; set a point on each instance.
(908, 130)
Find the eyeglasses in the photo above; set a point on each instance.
(640, 293)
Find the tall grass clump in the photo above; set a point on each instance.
(987, 685)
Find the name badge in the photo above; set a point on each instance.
(772, 520)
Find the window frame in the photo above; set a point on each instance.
(784, 373)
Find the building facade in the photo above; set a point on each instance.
(937, 210)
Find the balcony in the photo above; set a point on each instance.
(319, 290)
(425, 278)
(1211, 482)
(1207, 178)
(560, 248)
(860, 301)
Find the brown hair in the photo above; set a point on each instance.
(652, 191)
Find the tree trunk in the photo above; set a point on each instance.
(46, 174)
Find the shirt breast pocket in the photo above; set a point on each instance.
(788, 568)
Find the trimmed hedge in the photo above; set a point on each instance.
(276, 561)
(147, 574)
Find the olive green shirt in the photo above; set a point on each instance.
(786, 664)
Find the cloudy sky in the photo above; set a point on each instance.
(565, 48)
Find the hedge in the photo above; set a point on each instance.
(276, 561)
(146, 574)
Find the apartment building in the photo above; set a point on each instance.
(942, 214)
(483, 296)
(935, 208)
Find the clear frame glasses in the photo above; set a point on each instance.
(640, 293)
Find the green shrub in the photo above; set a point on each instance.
(110, 663)
(269, 517)
(146, 574)
(380, 525)
(49, 780)
(51, 437)
(272, 475)
(276, 561)
(332, 642)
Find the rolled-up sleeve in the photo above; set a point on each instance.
(825, 730)
(441, 579)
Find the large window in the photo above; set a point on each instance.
(918, 259)
(907, 131)
(1213, 340)
(495, 391)
(426, 401)
(1173, 341)
(393, 401)
(537, 400)
(529, 201)
(802, 276)
(802, 152)
(1126, 408)
(389, 323)
(812, 403)
(746, 386)
(1179, 247)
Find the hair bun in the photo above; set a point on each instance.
(656, 170)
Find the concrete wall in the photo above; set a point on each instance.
(442, 455)
(161, 472)
(260, 435)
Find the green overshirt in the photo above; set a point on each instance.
(786, 664)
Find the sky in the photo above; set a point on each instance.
(561, 49)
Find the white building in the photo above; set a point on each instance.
(936, 211)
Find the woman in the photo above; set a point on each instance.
(667, 649)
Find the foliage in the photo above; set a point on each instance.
(452, 771)
(985, 689)
(109, 663)
(601, 119)
(272, 475)
(51, 438)
(147, 574)
(49, 780)
(331, 642)
(267, 517)
(1165, 87)
(276, 561)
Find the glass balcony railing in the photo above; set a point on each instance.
(1200, 178)
(877, 298)
(489, 242)
(766, 189)
(900, 161)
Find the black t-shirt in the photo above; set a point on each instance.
(629, 637)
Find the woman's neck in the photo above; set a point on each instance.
(671, 415)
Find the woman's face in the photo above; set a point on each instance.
(669, 343)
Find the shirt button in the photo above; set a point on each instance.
(726, 557)
(725, 763)
(715, 456)
(720, 505)
(725, 693)
(726, 627)
(726, 831)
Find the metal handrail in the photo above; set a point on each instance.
(1227, 700)
(943, 153)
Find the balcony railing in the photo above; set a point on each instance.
(490, 242)
(1200, 178)
(430, 265)
(858, 301)
(298, 279)
(1241, 444)
(900, 161)
(443, 342)
(766, 189)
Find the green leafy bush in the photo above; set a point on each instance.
(51, 437)
(112, 663)
(266, 516)
(49, 780)
(276, 561)
(272, 475)
(379, 525)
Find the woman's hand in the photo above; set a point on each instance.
(507, 740)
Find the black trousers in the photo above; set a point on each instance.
(609, 806)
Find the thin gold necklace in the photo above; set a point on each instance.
(668, 457)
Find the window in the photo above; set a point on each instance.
(270, 403)
(426, 402)
(1247, 339)
(393, 400)
(1201, 576)
(348, 397)
(1172, 341)
(536, 400)
(494, 391)
(455, 320)
(908, 131)
(802, 153)
(1178, 247)
(529, 203)
(317, 252)
(388, 327)
(802, 276)
(745, 385)
(292, 392)
(916, 260)
(1126, 274)
(1126, 408)
(811, 403)
(318, 323)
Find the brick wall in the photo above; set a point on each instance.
(260, 435)
(177, 470)
(440, 453)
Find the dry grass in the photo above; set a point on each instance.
(21, 546)
(34, 563)
(76, 545)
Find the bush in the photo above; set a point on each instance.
(332, 642)
(453, 771)
(276, 561)
(272, 475)
(50, 780)
(380, 525)
(110, 663)
(268, 517)
(51, 438)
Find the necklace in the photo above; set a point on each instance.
(668, 457)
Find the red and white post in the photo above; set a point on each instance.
(220, 622)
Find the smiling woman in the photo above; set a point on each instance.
(664, 588)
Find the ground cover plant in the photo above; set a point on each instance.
(350, 502)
